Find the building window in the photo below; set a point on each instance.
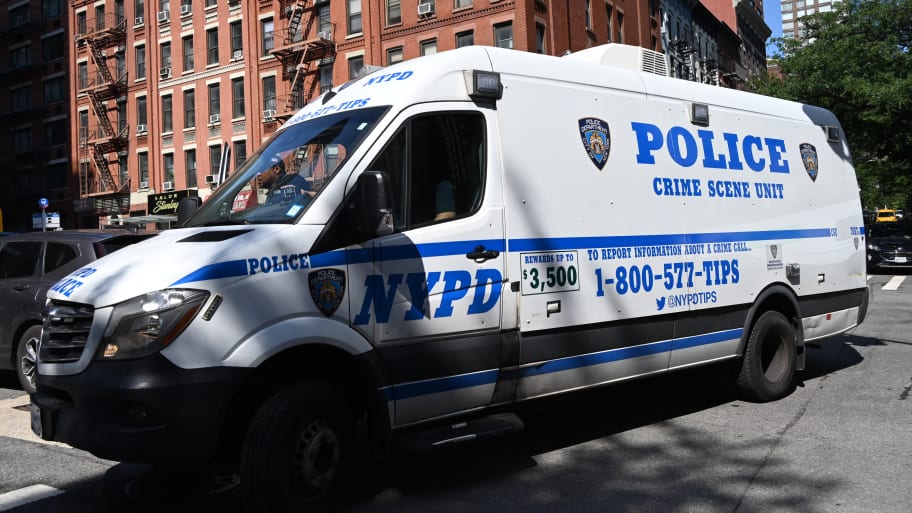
(428, 47)
(55, 133)
(325, 20)
(609, 11)
(237, 98)
(22, 140)
(354, 16)
(214, 101)
(215, 158)
(120, 62)
(53, 48)
(393, 12)
(166, 55)
(190, 167)
(326, 78)
(187, 43)
(143, 169)
(141, 110)
(139, 11)
(393, 55)
(237, 39)
(53, 90)
(81, 26)
(620, 28)
(99, 17)
(168, 164)
(21, 98)
(462, 3)
(189, 108)
(140, 62)
(240, 154)
(122, 169)
(167, 115)
(269, 93)
(211, 3)
(354, 66)
(20, 57)
(212, 56)
(164, 6)
(539, 38)
(121, 115)
(82, 75)
(266, 28)
(465, 39)
(118, 12)
(503, 35)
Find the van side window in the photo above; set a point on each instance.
(56, 254)
(19, 259)
(436, 165)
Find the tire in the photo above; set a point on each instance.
(27, 359)
(768, 368)
(296, 450)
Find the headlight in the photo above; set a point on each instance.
(873, 247)
(146, 324)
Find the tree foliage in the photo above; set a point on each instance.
(855, 61)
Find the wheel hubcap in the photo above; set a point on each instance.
(29, 360)
(317, 456)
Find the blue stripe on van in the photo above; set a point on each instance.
(489, 377)
(234, 268)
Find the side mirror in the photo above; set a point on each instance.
(375, 203)
(186, 207)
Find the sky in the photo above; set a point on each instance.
(773, 17)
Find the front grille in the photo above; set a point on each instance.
(66, 331)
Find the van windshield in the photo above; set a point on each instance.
(278, 182)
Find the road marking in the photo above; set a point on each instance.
(894, 283)
(14, 499)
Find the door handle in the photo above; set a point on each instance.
(20, 288)
(480, 254)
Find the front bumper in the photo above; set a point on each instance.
(143, 411)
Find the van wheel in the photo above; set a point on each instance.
(296, 449)
(768, 367)
(27, 359)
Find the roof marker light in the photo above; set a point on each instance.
(484, 84)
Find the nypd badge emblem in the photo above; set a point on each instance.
(809, 159)
(596, 140)
(327, 288)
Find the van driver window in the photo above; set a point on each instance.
(436, 165)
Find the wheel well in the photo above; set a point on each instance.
(338, 368)
(781, 299)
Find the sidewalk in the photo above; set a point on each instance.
(15, 420)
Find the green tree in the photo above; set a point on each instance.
(855, 61)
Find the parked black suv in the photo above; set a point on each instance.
(30, 263)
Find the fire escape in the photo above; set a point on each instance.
(300, 55)
(107, 138)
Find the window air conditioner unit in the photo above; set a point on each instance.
(325, 34)
(166, 72)
(425, 8)
(163, 16)
(210, 178)
(141, 128)
(185, 9)
(269, 114)
(138, 20)
(214, 118)
(168, 186)
(237, 54)
(143, 185)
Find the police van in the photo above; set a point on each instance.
(415, 253)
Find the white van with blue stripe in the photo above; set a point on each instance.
(416, 252)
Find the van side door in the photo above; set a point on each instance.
(428, 296)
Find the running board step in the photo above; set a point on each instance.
(461, 432)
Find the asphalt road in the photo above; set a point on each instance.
(673, 444)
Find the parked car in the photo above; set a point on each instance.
(889, 245)
(30, 263)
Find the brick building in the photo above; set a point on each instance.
(169, 92)
(34, 109)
